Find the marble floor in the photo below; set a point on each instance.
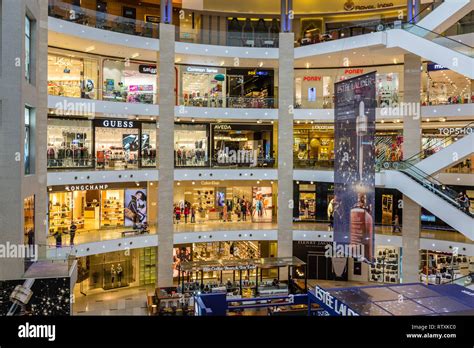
(126, 301)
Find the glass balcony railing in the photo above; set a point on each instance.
(229, 102)
(92, 163)
(102, 20)
(242, 38)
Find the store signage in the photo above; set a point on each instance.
(196, 69)
(116, 124)
(350, 5)
(456, 130)
(228, 268)
(210, 183)
(92, 187)
(222, 127)
(258, 73)
(353, 71)
(86, 187)
(435, 67)
(312, 78)
(331, 304)
(152, 19)
(147, 69)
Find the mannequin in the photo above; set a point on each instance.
(112, 275)
(119, 274)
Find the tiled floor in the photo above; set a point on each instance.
(128, 301)
(116, 233)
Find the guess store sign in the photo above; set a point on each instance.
(106, 123)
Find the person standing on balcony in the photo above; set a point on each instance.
(72, 233)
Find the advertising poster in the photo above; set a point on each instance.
(35, 297)
(262, 204)
(181, 254)
(354, 173)
(135, 207)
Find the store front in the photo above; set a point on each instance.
(202, 86)
(313, 199)
(131, 82)
(252, 32)
(438, 267)
(191, 145)
(314, 88)
(313, 146)
(386, 268)
(443, 86)
(101, 143)
(211, 279)
(115, 270)
(95, 207)
(72, 75)
(242, 145)
(250, 88)
(230, 201)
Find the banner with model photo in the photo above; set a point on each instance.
(135, 207)
(354, 176)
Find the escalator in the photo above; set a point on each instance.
(440, 15)
(432, 195)
(450, 53)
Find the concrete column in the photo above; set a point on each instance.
(165, 156)
(411, 146)
(285, 145)
(16, 93)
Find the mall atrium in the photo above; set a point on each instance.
(158, 155)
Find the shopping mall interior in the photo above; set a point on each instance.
(206, 157)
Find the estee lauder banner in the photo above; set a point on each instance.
(354, 177)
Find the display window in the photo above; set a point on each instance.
(149, 145)
(386, 268)
(250, 88)
(29, 220)
(242, 145)
(203, 86)
(130, 82)
(307, 202)
(313, 146)
(314, 88)
(252, 32)
(96, 207)
(72, 76)
(216, 203)
(69, 143)
(443, 86)
(117, 143)
(191, 147)
(438, 267)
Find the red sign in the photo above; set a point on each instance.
(312, 78)
(353, 71)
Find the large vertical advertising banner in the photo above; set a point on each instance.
(135, 207)
(354, 173)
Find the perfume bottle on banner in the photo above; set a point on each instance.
(361, 226)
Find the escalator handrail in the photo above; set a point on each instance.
(430, 6)
(405, 25)
(446, 139)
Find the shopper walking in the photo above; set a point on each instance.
(396, 225)
(243, 208)
(177, 212)
(72, 233)
(330, 214)
(193, 215)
